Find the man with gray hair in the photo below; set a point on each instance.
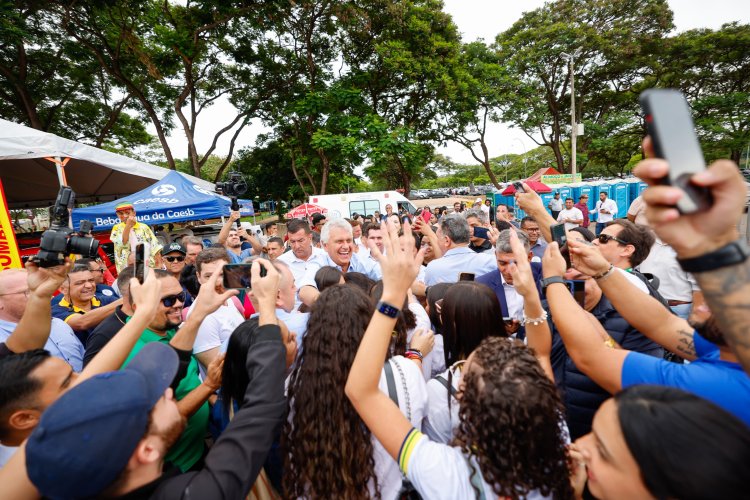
(337, 240)
(500, 280)
(453, 237)
(478, 219)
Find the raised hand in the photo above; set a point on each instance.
(529, 201)
(208, 299)
(523, 278)
(399, 266)
(423, 341)
(699, 233)
(146, 296)
(44, 282)
(214, 371)
(553, 263)
(234, 215)
(587, 258)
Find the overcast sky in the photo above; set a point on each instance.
(482, 19)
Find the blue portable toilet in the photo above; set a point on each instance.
(636, 187)
(546, 197)
(620, 193)
(565, 192)
(587, 189)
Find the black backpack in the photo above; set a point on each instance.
(652, 283)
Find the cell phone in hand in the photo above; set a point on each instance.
(142, 254)
(670, 125)
(237, 276)
(466, 276)
(519, 187)
(578, 290)
(561, 238)
(426, 216)
(481, 232)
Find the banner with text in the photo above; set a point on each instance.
(561, 179)
(9, 256)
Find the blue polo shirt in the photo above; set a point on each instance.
(722, 382)
(239, 259)
(64, 310)
(61, 343)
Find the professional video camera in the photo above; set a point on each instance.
(60, 240)
(234, 186)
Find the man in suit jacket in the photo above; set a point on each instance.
(501, 281)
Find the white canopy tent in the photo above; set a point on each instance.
(33, 164)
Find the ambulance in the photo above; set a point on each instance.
(345, 205)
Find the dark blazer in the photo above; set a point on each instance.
(495, 282)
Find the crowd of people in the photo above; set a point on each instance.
(452, 354)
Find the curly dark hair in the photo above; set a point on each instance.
(510, 416)
(327, 448)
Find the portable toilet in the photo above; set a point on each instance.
(620, 193)
(636, 187)
(546, 197)
(586, 188)
(565, 192)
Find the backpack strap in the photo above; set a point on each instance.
(445, 384)
(391, 381)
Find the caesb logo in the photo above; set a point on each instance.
(164, 190)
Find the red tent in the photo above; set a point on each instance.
(537, 176)
(305, 210)
(534, 185)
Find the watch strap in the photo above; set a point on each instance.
(735, 252)
(551, 281)
(387, 309)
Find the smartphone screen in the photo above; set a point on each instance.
(426, 215)
(561, 237)
(466, 276)
(238, 276)
(142, 253)
(578, 289)
(672, 132)
(481, 232)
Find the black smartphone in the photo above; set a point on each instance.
(481, 232)
(670, 125)
(519, 187)
(578, 289)
(466, 276)
(560, 236)
(238, 275)
(141, 254)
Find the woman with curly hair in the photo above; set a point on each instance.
(509, 442)
(470, 313)
(329, 452)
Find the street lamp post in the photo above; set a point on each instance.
(573, 126)
(524, 155)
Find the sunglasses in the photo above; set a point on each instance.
(605, 238)
(171, 300)
(178, 258)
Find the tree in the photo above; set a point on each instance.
(51, 84)
(614, 40)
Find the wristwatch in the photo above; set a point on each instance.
(551, 281)
(387, 309)
(735, 252)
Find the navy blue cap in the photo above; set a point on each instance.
(84, 440)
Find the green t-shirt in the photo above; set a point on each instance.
(189, 448)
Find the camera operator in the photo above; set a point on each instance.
(230, 237)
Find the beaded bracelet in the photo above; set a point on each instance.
(534, 321)
(414, 354)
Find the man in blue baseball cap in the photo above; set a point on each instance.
(108, 436)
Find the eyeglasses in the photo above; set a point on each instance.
(176, 258)
(171, 300)
(99, 270)
(606, 238)
(25, 292)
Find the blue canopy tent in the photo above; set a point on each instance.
(175, 198)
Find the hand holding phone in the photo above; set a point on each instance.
(237, 276)
(519, 187)
(142, 254)
(560, 236)
(481, 232)
(670, 126)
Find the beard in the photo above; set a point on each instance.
(172, 434)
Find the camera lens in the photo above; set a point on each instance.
(83, 245)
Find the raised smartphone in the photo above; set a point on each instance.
(238, 276)
(481, 232)
(519, 187)
(466, 276)
(672, 132)
(142, 254)
(560, 236)
(578, 289)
